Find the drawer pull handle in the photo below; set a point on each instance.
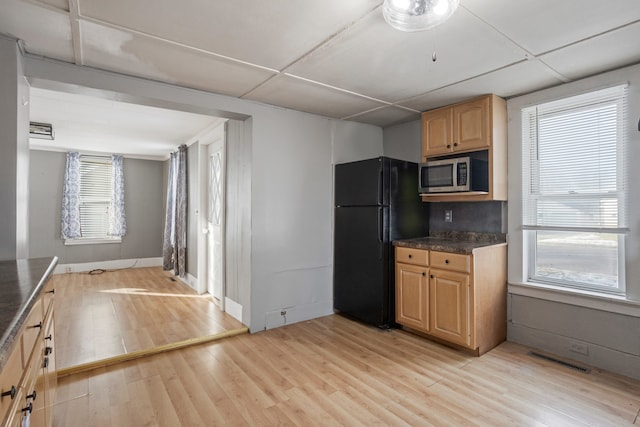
(431, 276)
(48, 351)
(48, 337)
(38, 325)
(446, 261)
(52, 291)
(11, 392)
(410, 256)
(28, 408)
(33, 395)
(46, 363)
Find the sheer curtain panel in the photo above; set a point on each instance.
(117, 219)
(70, 215)
(174, 249)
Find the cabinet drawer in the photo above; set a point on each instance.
(47, 296)
(412, 256)
(10, 377)
(449, 261)
(32, 328)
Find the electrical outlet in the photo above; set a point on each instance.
(69, 269)
(578, 347)
(448, 215)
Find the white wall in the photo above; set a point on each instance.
(291, 185)
(552, 320)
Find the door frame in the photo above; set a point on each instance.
(216, 134)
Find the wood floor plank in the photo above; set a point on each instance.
(332, 371)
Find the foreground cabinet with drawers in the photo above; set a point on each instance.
(28, 378)
(460, 299)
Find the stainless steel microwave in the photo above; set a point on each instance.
(453, 175)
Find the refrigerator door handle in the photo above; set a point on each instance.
(380, 188)
(380, 231)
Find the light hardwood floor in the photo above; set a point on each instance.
(333, 371)
(119, 312)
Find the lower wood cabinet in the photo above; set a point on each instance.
(460, 299)
(28, 379)
(412, 296)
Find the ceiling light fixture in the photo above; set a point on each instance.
(417, 15)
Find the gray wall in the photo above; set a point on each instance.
(192, 209)
(143, 207)
(10, 108)
(404, 141)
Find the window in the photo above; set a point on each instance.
(574, 190)
(96, 190)
(93, 199)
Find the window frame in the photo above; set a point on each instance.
(529, 233)
(106, 239)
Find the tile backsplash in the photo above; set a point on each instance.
(486, 217)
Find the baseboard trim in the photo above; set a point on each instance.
(115, 264)
(148, 352)
(233, 309)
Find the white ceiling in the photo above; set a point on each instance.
(336, 58)
(94, 125)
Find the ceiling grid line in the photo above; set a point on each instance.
(76, 33)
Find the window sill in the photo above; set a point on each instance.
(74, 242)
(595, 300)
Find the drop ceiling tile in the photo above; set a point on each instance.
(514, 80)
(268, 33)
(137, 55)
(290, 92)
(375, 60)
(43, 31)
(386, 116)
(543, 25)
(609, 51)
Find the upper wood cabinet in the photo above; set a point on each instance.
(478, 126)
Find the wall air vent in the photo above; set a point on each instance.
(41, 130)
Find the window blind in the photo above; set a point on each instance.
(573, 163)
(95, 195)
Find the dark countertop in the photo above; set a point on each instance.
(454, 242)
(20, 284)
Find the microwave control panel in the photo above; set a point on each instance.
(462, 174)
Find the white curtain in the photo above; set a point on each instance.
(70, 215)
(117, 218)
(174, 248)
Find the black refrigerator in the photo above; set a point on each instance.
(376, 202)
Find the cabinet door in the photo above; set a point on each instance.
(437, 136)
(471, 127)
(412, 296)
(449, 298)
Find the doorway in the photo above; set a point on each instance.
(212, 205)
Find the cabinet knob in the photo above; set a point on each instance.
(32, 395)
(455, 144)
(446, 261)
(48, 337)
(45, 364)
(410, 256)
(52, 291)
(431, 276)
(11, 392)
(38, 325)
(448, 145)
(424, 274)
(28, 408)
